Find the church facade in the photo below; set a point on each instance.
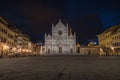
(61, 40)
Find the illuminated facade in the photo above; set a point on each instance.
(110, 40)
(105, 39)
(24, 44)
(116, 40)
(62, 41)
(6, 37)
(9, 38)
(89, 50)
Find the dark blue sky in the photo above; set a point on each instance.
(87, 17)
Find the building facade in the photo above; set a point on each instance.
(6, 37)
(109, 41)
(10, 39)
(61, 41)
(105, 39)
(89, 50)
(116, 40)
(24, 44)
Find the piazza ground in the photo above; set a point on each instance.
(61, 68)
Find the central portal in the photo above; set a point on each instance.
(60, 49)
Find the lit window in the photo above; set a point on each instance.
(20, 38)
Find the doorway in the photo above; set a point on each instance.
(71, 51)
(48, 51)
(60, 49)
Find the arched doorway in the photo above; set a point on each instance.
(60, 49)
(48, 50)
(71, 50)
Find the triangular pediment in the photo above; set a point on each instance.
(60, 24)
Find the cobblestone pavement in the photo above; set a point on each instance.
(60, 68)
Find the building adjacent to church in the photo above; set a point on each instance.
(109, 41)
(61, 40)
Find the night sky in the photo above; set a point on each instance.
(86, 17)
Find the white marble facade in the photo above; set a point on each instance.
(61, 40)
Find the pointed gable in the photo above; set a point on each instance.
(49, 36)
(60, 25)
